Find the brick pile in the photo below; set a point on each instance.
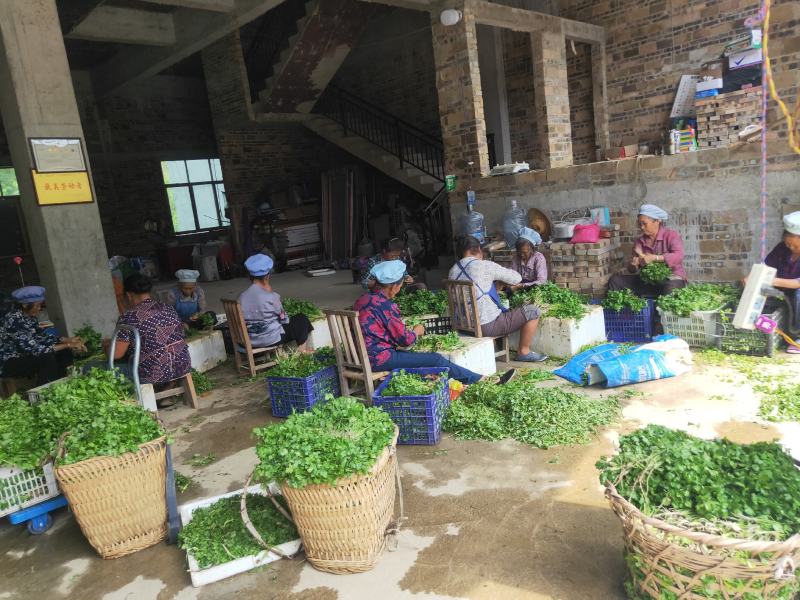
(586, 268)
(721, 118)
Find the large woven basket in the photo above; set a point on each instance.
(667, 561)
(119, 502)
(343, 526)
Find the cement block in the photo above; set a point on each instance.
(207, 351)
(564, 337)
(477, 355)
(321, 336)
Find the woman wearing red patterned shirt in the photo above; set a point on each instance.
(385, 333)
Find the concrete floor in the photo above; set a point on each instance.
(485, 520)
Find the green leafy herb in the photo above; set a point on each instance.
(431, 342)
(421, 303)
(412, 384)
(555, 301)
(619, 300)
(22, 444)
(698, 297)
(780, 402)
(201, 460)
(182, 482)
(91, 338)
(216, 534)
(293, 307)
(202, 382)
(301, 364)
(659, 468)
(336, 439)
(654, 273)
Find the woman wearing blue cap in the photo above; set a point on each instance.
(530, 264)
(385, 333)
(267, 322)
(26, 350)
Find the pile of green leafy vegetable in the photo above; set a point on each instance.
(412, 384)
(293, 307)
(91, 338)
(421, 302)
(431, 342)
(655, 273)
(336, 439)
(619, 300)
(216, 534)
(22, 444)
(540, 416)
(302, 364)
(202, 382)
(698, 297)
(555, 301)
(658, 468)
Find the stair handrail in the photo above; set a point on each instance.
(384, 129)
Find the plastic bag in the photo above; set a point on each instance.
(585, 234)
(514, 220)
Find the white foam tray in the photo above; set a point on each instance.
(202, 577)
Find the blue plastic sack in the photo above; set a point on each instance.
(576, 369)
(636, 367)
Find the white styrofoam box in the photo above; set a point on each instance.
(202, 577)
(321, 336)
(564, 337)
(207, 350)
(477, 355)
(148, 395)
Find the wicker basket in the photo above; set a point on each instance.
(667, 568)
(119, 501)
(343, 526)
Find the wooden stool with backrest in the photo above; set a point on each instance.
(351, 352)
(248, 360)
(462, 303)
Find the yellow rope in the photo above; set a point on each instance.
(791, 118)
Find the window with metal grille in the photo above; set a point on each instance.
(196, 194)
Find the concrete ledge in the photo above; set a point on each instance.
(207, 351)
(477, 355)
(564, 337)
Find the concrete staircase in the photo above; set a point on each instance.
(372, 154)
(324, 38)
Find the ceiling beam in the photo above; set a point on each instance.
(194, 30)
(224, 6)
(127, 26)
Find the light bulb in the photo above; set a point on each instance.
(450, 16)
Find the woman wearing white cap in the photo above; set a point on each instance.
(189, 300)
(530, 264)
(26, 350)
(785, 257)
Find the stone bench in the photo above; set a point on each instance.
(563, 338)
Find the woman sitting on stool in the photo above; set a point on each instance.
(189, 300)
(26, 350)
(267, 322)
(527, 261)
(656, 244)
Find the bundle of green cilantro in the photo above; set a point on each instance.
(300, 364)
(293, 307)
(698, 297)
(421, 302)
(336, 439)
(555, 301)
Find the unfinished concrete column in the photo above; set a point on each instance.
(552, 97)
(458, 82)
(37, 100)
(600, 99)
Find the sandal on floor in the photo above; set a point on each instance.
(793, 349)
(532, 357)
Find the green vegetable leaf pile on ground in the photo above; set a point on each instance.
(779, 402)
(91, 338)
(202, 382)
(659, 468)
(619, 300)
(333, 440)
(655, 273)
(542, 417)
(698, 297)
(555, 301)
(437, 343)
(301, 364)
(293, 307)
(422, 302)
(216, 534)
(412, 384)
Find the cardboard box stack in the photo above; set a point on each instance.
(586, 268)
(721, 118)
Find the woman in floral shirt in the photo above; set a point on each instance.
(385, 333)
(28, 351)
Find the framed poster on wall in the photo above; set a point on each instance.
(62, 188)
(57, 155)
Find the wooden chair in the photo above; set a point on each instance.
(12, 385)
(256, 358)
(185, 389)
(351, 352)
(462, 301)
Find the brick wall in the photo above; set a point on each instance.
(518, 61)
(579, 74)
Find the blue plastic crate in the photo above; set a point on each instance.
(419, 418)
(628, 326)
(299, 394)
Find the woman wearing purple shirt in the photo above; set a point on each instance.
(785, 257)
(656, 244)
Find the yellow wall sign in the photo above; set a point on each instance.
(62, 188)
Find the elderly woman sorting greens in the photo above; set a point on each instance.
(785, 258)
(530, 264)
(266, 321)
(26, 350)
(656, 244)
(384, 332)
(189, 300)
